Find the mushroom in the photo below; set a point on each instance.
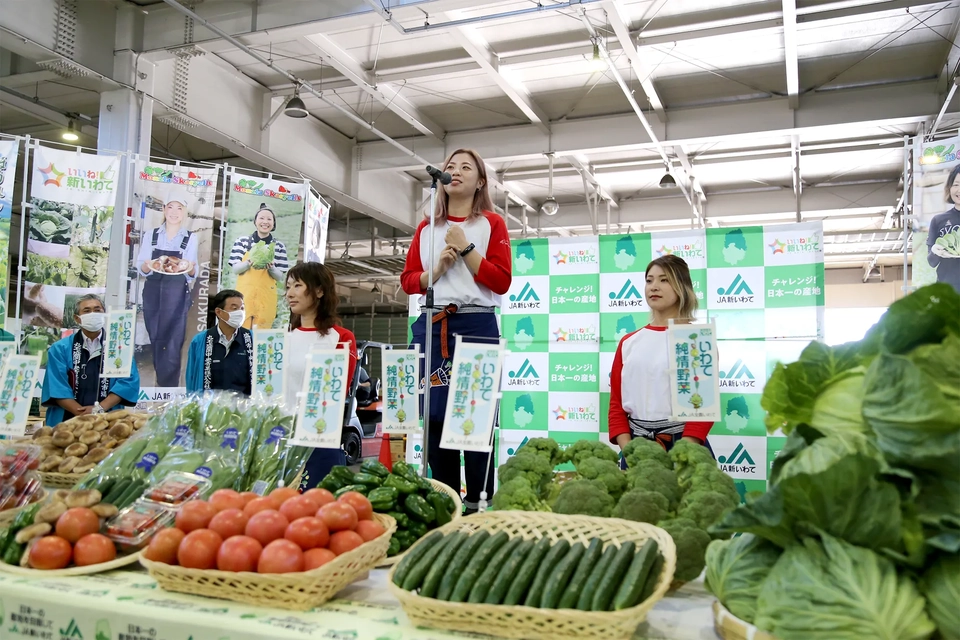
(83, 468)
(50, 512)
(67, 465)
(116, 415)
(96, 455)
(76, 449)
(84, 498)
(120, 431)
(105, 510)
(33, 531)
(43, 431)
(51, 463)
(63, 438)
(90, 437)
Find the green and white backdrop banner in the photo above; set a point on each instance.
(573, 299)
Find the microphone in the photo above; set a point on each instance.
(440, 176)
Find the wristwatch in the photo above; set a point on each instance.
(470, 247)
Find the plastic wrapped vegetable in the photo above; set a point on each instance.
(273, 459)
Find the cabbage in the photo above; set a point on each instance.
(262, 255)
(834, 590)
(736, 569)
(838, 408)
(941, 586)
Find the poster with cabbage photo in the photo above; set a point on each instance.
(261, 243)
(936, 212)
(9, 150)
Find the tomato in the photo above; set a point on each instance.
(199, 549)
(230, 522)
(164, 545)
(320, 496)
(239, 553)
(50, 552)
(257, 505)
(76, 523)
(317, 558)
(338, 516)
(308, 533)
(299, 507)
(267, 526)
(360, 504)
(248, 496)
(370, 530)
(282, 494)
(280, 556)
(194, 515)
(93, 548)
(344, 541)
(224, 499)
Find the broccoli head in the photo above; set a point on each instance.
(550, 492)
(651, 476)
(707, 476)
(529, 465)
(691, 543)
(585, 497)
(642, 506)
(705, 507)
(686, 454)
(518, 495)
(546, 447)
(641, 449)
(607, 472)
(583, 449)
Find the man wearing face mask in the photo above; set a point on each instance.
(72, 385)
(222, 356)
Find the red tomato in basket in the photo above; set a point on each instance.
(316, 558)
(308, 533)
(93, 548)
(257, 505)
(239, 553)
(320, 496)
(298, 507)
(199, 549)
(360, 503)
(50, 552)
(343, 541)
(223, 499)
(280, 556)
(338, 516)
(164, 546)
(370, 530)
(229, 523)
(76, 523)
(248, 496)
(282, 494)
(267, 526)
(194, 515)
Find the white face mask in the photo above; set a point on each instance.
(236, 318)
(93, 321)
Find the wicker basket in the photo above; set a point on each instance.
(7, 515)
(457, 513)
(297, 591)
(116, 563)
(54, 480)
(529, 622)
(730, 627)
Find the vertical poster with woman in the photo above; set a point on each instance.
(263, 219)
(170, 267)
(9, 149)
(72, 196)
(936, 212)
(315, 234)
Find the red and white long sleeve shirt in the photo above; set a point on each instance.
(458, 285)
(640, 386)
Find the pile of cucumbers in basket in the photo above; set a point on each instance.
(408, 498)
(485, 568)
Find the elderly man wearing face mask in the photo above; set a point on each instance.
(222, 356)
(72, 385)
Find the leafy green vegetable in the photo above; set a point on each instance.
(950, 242)
(262, 255)
(736, 569)
(940, 585)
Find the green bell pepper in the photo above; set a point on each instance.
(25, 518)
(403, 520)
(400, 483)
(374, 467)
(394, 547)
(359, 488)
(383, 499)
(406, 539)
(418, 529)
(419, 508)
(342, 474)
(404, 470)
(439, 505)
(424, 486)
(367, 479)
(13, 552)
(331, 484)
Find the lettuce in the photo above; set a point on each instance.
(736, 569)
(831, 589)
(941, 587)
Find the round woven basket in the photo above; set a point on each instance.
(116, 563)
(457, 514)
(54, 480)
(730, 627)
(525, 623)
(297, 591)
(7, 515)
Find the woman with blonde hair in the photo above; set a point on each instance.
(640, 378)
(471, 270)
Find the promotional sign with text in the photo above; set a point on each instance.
(694, 383)
(401, 393)
(320, 419)
(472, 400)
(118, 347)
(9, 151)
(268, 349)
(17, 379)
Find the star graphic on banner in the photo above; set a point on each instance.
(777, 247)
(51, 170)
(560, 257)
(559, 414)
(663, 250)
(561, 335)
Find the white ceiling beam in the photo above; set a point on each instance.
(797, 179)
(790, 52)
(387, 95)
(693, 181)
(19, 103)
(621, 28)
(951, 65)
(582, 165)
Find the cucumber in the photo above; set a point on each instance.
(134, 491)
(449, 581)
(628, 595)
(603, 597)
(477, 563)
(418, 572)
(431, 583)
(13, 553)
(105, 487)
(590, 586)
(507, 572)
(528, 570)
(589, 559)
(558, 580)
(484, 583)
(652, 578)
(550, 561)
(115, 491)
(400, 573)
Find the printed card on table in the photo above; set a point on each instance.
(320, 418)
(268, 345)
(694, 372)
(118, 348)
(474, 391)
(17, 379)
(401, 400)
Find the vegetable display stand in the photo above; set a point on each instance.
(526, 623)
(457, 514)
(7, 515)
(730, 627)
(297, 591)
(117, 563)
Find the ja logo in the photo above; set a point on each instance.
(527, 294)
(526, 370)
(738, 287)
(143, 396)
(627, 291)
(525, 259)
(511, 451)
(739, 456)
(72, 630)
(523, 413)
(738, 377)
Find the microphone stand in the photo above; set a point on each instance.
(428, 329)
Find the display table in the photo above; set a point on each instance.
(128, 605)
